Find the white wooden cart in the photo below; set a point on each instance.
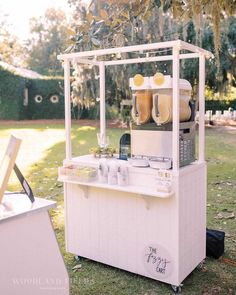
(160, 235)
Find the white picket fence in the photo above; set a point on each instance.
(225, 115)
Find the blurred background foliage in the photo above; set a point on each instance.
(104, 24)
(98, 24)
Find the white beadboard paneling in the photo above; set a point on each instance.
(114, 226)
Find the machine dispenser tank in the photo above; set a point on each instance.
(154, 138)
(162, 99)
(141, 112)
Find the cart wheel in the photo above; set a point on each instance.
(176, 289)
(77, 258)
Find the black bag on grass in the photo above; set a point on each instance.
(215, 243)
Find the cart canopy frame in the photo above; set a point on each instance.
(105, 57)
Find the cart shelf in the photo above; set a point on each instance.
(143, 191)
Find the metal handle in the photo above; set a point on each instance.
(155, 105)
(134, 101)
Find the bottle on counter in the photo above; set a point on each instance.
(112, 173)
(103, 171)
(124, 151)
(122, 174)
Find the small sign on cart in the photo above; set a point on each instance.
(157, 261)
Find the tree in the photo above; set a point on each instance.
(118, 14)
(49, 37)
(119, 23)
(107, 24)
(11, 50)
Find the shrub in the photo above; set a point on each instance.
(47, 89)
(220, 105)
(93, 113)
(12, 88)
(11, 95)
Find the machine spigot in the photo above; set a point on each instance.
(135, 110)
(155, 105)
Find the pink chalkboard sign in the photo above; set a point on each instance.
(157, 261)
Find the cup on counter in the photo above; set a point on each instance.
(122, 175)
(112, 173)
(102, 171)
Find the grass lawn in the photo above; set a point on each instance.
(42, 152)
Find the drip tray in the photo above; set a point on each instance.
(153, 162)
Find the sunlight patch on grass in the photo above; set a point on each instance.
(58, 217)
(82, 142)
(86, 128)
(34, 147)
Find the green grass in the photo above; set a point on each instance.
(43, 151)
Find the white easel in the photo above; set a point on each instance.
(30, 258)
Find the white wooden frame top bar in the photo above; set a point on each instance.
(144, 47)
(90, 57)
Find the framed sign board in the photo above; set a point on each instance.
(7, 163)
